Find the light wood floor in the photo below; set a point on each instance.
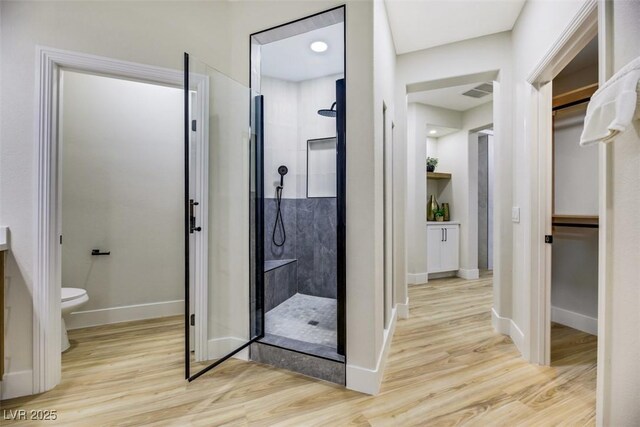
(446, 367)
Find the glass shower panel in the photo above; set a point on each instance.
(221, 297)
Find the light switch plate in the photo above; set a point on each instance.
(515, 214)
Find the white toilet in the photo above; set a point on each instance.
(72, 300)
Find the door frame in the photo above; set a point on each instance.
(583, 27)
(47, 362)
(200, 248)
(341, 170)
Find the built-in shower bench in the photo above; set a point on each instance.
(280, 281)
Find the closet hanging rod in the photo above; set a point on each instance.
(571, 104)
(574, 224)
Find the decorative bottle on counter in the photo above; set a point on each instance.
(432, 207)
(445, 208)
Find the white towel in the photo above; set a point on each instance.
(614, 106)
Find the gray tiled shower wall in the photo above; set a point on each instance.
(311, 239)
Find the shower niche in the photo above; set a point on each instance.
(298, 69)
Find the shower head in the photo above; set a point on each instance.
(329, 113)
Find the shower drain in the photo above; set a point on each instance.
(313, 322)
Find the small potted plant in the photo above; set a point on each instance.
(439, 214)
(432, 162)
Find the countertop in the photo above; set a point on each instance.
(443, 222)
(4, 239)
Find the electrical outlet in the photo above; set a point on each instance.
(515, 214)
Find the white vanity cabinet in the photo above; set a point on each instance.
(443, 241)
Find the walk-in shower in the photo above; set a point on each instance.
(302, 270)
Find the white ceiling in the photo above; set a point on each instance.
(450, 98)
(421, 24)
(291, 58)
(434, 131)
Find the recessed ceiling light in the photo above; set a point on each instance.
(319, 46)
(433, 131)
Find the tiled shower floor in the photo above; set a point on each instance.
(305, 318)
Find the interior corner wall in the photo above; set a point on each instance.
(538, 27)
(618, 369)
(438, 116)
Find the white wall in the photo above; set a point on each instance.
(291, 119)
(575, 167)
(314, 95)
(577, 79)
(122, 190)
(416, 212)
(157, 33)
(438, 116)
(383, 61)
(281, 135)
(574, 281)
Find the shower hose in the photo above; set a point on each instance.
(279, 220)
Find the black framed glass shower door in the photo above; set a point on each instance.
(223, 299)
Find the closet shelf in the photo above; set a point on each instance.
(573, 96)
(438, 175)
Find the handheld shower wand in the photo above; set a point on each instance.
(282, 170)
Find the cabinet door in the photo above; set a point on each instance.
(435, 236)
(449, 249)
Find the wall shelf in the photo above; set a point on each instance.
(438, 175)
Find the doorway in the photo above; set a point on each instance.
(573, 325)
(485, 199)
(299, 70)
(120, 186)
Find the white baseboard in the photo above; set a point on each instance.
(106, 316)
(575, 320)
(417, 278)
(500, 324)
(506, 326)
(517, 336)
(16, 384)
(219, 347)
(403, 309)
(469, 273)
(368, 380)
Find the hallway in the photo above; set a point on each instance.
(446, 366)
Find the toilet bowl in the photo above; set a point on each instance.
(72, 300)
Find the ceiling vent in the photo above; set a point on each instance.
(479, 91)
